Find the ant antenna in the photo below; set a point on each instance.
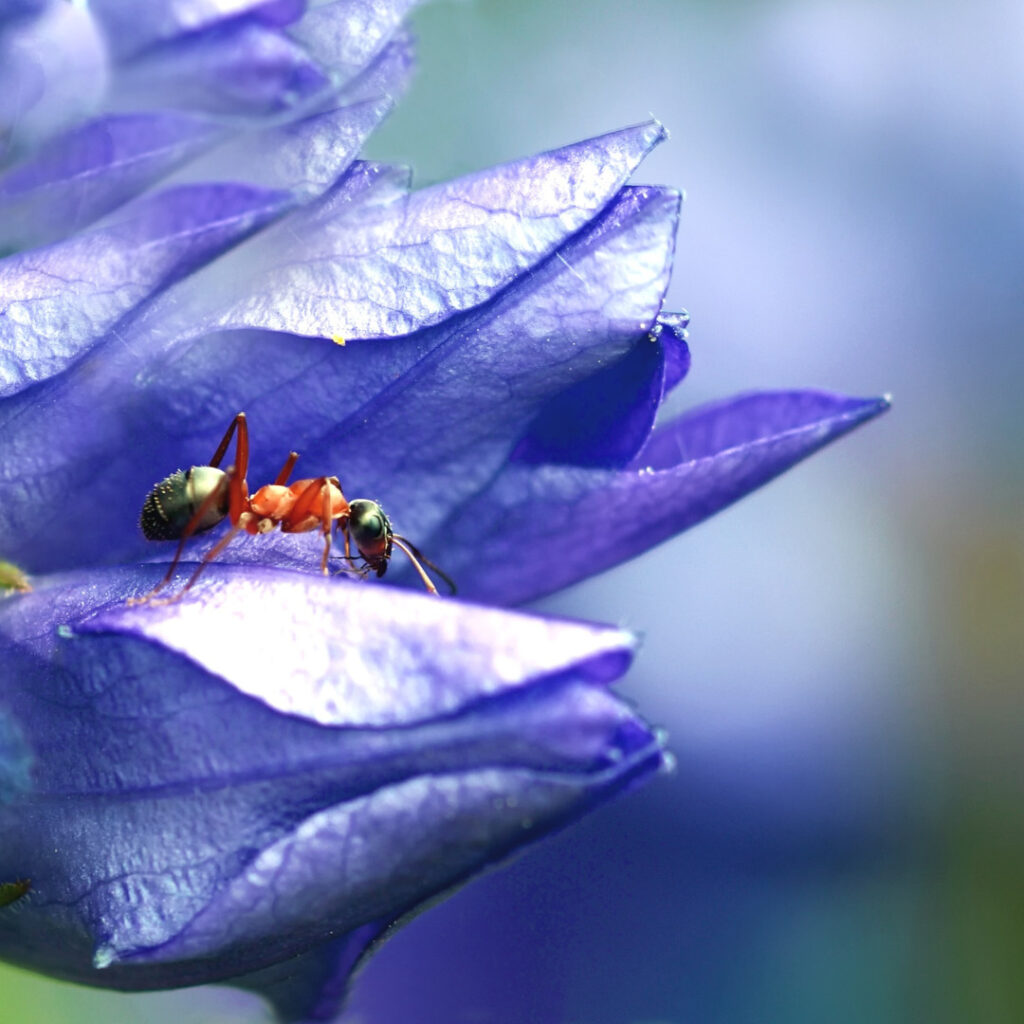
(414, 553)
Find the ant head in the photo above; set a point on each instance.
(371, 532)
(176, 499)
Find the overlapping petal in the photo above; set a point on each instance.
(433, 433)
(388, 269)
(58, 302)
(347, 35)
(239, 68)
(253, 783)
(249, 62)
(54, 69)
(386, 748)
(132, 27)
(92, 169)
(584, 307)
(538, 528)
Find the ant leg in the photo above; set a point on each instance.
(207, 558)
(352, 569)
(303, 503)
(325, 518)
(303, 508)
(286, 469)
(242, 448)
(190, 528)
(361, 570)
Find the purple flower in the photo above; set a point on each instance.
(254, 783)
(279, 769)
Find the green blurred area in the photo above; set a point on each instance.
(28, 999)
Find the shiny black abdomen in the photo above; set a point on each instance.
(176, 499)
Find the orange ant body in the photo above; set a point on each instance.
(187, 503)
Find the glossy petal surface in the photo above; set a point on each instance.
(133, 27)
(60, 301)
(539, 528)
(349, 792)
(388, 270)
(345, 35)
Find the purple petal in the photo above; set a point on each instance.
(239, 68)
(385, 853)
(605, 419)
(387, 75)
(131, 26)
(390, 270)
(53, 72)
(423, 423)
(346, 35)
(312, 987)
(305, 156)
(468, 393)
(251, 817)
(311, 154)
(454, 417)
(58, 302)
(15, 10)
(54, 441)
(90, 170)
(425, 660)
(677, 353)
(539, 528)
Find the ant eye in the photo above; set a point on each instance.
(372, 527)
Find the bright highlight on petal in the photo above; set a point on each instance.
(418, 741)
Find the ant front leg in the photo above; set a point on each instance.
(341, 526)
(304, 514)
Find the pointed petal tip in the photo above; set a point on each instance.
(865, 409)
(655, 131)
(638, 139)
(649, 133)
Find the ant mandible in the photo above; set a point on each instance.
(187, 503)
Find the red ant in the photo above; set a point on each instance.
(186, 503)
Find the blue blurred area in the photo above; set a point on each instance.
(838, 659)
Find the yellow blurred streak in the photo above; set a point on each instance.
(973, 652)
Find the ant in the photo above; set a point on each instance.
(186, 503)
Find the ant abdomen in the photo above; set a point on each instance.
(172, 503)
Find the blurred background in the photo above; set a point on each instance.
(838, 659)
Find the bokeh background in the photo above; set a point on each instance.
(838, 659)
